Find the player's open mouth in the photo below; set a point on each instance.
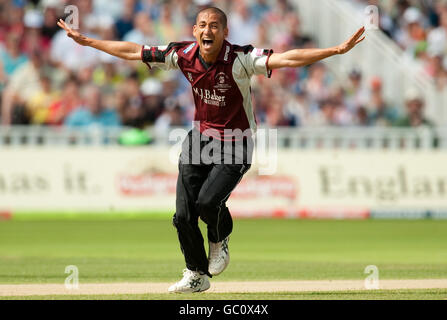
(207, 43)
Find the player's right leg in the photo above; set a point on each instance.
(186, 221)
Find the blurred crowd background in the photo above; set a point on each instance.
(47, 79)
(419, 27)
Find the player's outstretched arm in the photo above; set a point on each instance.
(303, 57)
(120, 49)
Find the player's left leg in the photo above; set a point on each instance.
(211, 206)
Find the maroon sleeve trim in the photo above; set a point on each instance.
(269, 72)
(142, 57)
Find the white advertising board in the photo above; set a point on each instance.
(305, 184)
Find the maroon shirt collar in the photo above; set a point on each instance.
(224, 54)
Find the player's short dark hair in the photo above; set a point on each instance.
(222, 15)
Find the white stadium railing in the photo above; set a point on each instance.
(60, 136)
(297, 138)
(359, 138)
(332, 21)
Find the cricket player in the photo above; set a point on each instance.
(217, 151)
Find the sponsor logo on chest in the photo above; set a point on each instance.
(210, 97)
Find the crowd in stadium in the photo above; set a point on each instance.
(420, 29)
(48, 79)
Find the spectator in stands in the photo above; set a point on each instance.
(316, 84)
(380, 113)
(3, 79)
(415, 117)
(130, 103)
(262, 40)
(413, 31)
(70, 100)
(106, 76)
(153, 100)
(142, 32)
(275, 116)
(126, 112)
(11, 57)
(342, 115)
(14, 12)
(39, 103)
(32, 39)
(259, 9)
(357, 92)
(299, 108)
(293, 25)
(50, 16)
(263, 94)
(112, 9)
(361, 118)
(437, 37)
(241, 19)
(441, 80)
(325, 116)
(166, 29)
(172, 116)
(150, 7)
(434, 60)
(92, 112)
(124, 23)
(24, 83)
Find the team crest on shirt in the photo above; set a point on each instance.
(222, 82)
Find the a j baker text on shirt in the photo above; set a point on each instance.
(210, 97)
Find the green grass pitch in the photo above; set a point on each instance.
(146, 250)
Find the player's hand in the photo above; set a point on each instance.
(352, 42)
(76, 36)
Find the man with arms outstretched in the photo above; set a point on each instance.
(220, 74)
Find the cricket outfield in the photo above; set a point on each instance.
(270, 259)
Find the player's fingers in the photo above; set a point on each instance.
(356, 36)
(359, 33)
(61, 23)
(358, 41)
